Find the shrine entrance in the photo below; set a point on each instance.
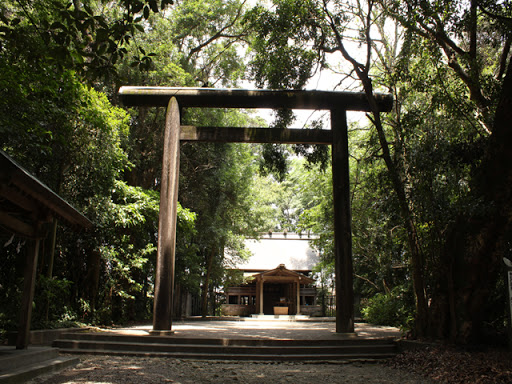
(338, 103)
(277, 295)
(278, 291)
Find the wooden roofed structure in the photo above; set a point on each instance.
(265, 289)
(281, 276)
(26, 205)
(175, 98)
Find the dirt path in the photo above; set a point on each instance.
(138, 370)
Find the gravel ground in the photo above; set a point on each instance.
(138, 370)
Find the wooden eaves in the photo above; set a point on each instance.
(281, 273)
(26, 203)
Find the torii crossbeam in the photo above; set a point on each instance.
(175, 98)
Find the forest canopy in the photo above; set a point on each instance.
(431, 181)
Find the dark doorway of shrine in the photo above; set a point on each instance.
(281, 295)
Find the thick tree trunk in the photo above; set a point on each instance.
(476, 244)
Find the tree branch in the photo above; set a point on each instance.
(219, 34)
(368, 281)
(368, 38)
(504, 57)
(472, 32)
(494, 15)
(339, 39)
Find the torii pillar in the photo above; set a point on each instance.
(166, 251)
(342, 223)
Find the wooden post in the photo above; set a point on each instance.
(261, 296)
(29, 283)
(162, 309)
(342, 224)
(508, 279)
(298, 297)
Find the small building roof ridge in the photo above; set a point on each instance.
(286, 236)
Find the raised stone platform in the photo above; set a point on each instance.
(278, 317)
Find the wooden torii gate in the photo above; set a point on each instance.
(175, 98)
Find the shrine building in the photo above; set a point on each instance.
(277, 278)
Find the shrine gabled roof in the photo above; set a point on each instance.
(282, 271)
(292, 250)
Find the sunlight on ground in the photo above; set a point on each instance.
(264, 329)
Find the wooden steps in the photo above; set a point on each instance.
(19, 366)
(225, 349)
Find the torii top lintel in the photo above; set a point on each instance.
(243, 98)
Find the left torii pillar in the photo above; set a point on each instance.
(164, 284)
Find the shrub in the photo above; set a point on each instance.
(391, 308)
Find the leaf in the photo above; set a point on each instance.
(101, 21)
(88, 9)
(58, 25)
(154, 6)
(102, 35)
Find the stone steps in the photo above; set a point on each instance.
(226, 349)
(18, 366)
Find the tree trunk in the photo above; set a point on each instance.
(206, 283)
(416, 257)
(476, 243)
(417, 263)
(49, 272)
(490, 234)
(177, 302)
(93, 278)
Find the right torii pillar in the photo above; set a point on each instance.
(342, 223)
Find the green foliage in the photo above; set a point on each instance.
(421, 172)
(394, 308)
(274, 160)
(195, 43)
(210, 45)
(216, 183)
(128, 252)
(233, 278)
(72, 138)
(88, 37)
(52, 295)
(283, 59)
(11, 264)
(446, 71)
